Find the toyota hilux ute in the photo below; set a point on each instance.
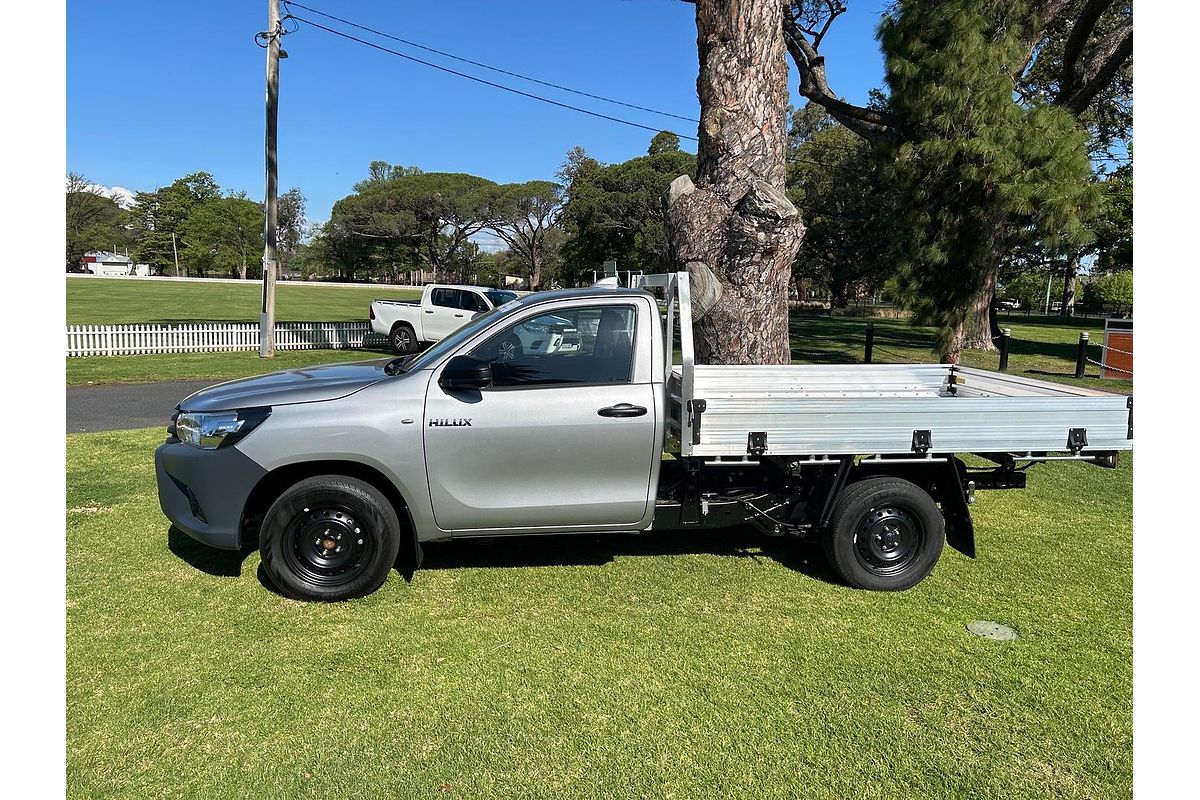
(340, 473)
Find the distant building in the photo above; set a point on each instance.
(102, 262)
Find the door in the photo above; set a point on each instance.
(563, 439)
(443, 315)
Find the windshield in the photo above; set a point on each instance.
(499, 298)
(452, 341)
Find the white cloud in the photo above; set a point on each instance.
(488, 242)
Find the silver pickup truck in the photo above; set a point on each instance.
(340, 473)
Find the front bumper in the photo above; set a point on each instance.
(203, 492)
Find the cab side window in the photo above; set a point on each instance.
(447, 298)
(470, 301)
(585, 344)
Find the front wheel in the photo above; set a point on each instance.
(885, 534)
(330, 537)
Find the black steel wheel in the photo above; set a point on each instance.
(330, 537)
(403, 340)
(884, 534)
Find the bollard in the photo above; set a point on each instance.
(870, 343)
(1005, 338)
(1081, 355)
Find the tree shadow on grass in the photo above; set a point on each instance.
(594, 550)
(210, 560)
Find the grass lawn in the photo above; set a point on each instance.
(96, 301)
(660, 665)
(1041, 348)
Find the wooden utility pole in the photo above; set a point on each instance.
(266, 320)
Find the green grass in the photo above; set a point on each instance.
(1041, 348)
(660, 665)
(96, 301)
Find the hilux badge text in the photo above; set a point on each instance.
(450, 423)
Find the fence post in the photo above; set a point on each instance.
(870, 343)
(1005, 338)
(1081, 355)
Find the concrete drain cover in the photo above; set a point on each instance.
(992, 630)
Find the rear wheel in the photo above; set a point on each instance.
(403, 340)
(885, 534)
(329, 537)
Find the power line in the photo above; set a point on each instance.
(486, 82)
(488, 66)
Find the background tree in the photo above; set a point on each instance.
(290, 223)
(663, 142)
(163, 213)
(734, 229)
(1069, 55)
(615, 212)
(1113, 290)
(229, 231)
(523, 215)
(421, 220)
(838, 187)
(94, 220)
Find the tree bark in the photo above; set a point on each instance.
(1070, 276)
(734, 230)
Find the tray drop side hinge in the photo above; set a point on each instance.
(922, 441)
(695, 409)
(1077, 440)
(756, 443)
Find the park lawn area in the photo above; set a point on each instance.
(96, 301)
(658, 665)
(1042, 348)
(202, 366)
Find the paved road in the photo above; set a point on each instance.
(125, 405)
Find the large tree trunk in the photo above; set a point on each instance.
(1069, 280)
(734, 229)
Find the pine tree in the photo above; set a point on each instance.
(980, 170)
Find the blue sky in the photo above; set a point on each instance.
(156, 90)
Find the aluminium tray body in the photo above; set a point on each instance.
(868, 409)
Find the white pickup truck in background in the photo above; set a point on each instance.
(441, 310)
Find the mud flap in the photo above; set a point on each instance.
(960, 528)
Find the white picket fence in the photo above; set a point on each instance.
(211, 337)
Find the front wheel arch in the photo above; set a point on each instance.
(277, 481)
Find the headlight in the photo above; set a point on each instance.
(208, 431)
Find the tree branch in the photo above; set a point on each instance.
(1077, 39)
(814, 83)
(1109, 64)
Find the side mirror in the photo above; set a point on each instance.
(466, 372)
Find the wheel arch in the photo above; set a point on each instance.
(944, 481)
(275, 482)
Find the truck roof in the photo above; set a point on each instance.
(575, 294)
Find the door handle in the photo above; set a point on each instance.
(429, 311)
(622, 410)
(458, 315)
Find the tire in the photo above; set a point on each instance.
(885, 534)
(403, 340)
(509, 349)
(328, 538)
